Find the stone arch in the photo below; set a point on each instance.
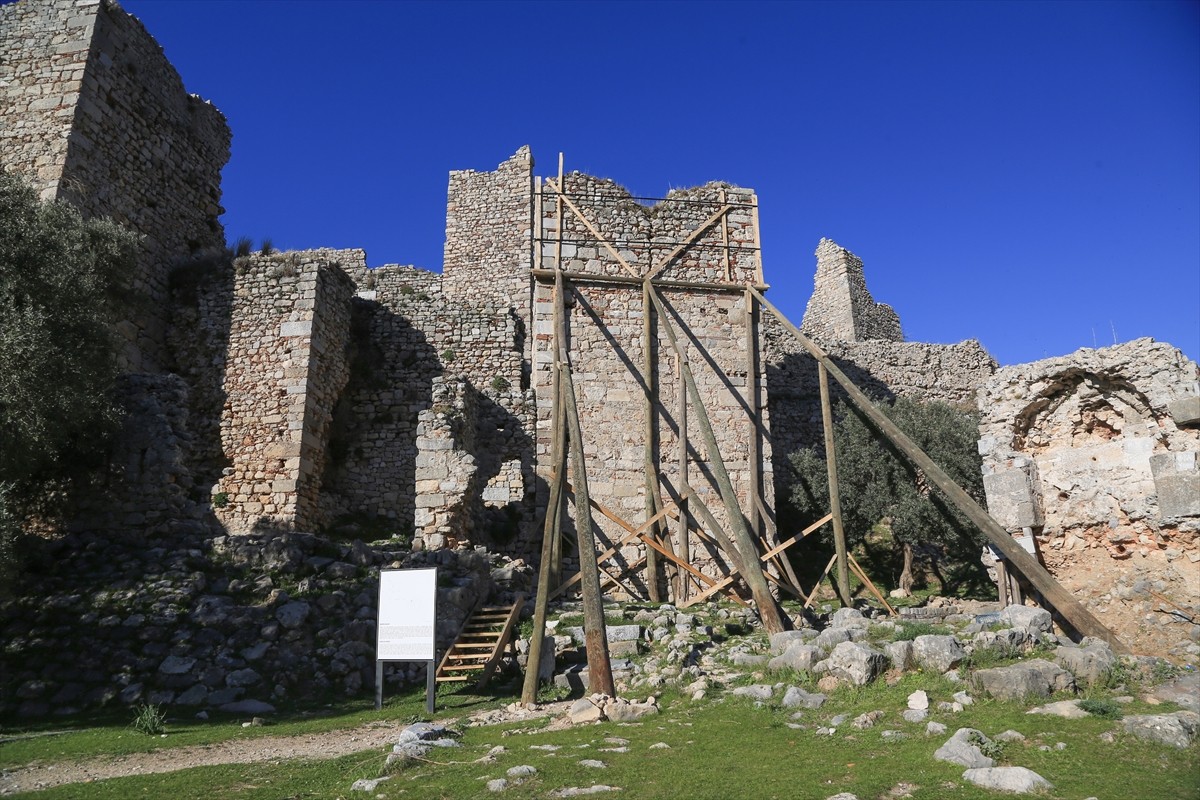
(1091, 406)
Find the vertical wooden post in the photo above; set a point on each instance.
(650, 451)
(594, 629)
(835, 501)
(682, 535)
(558, 434)
(768, 609)
(725, 238)
(757, 240)
(754, 458)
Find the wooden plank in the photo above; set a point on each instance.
(757, 237)
(862, 576)
(661, 283)
(787, 563)
(768, 608)
(777, 549)
(596, 639)
(681, 420)
(1058, 597)
(835, 501)
(817, 585)
(725, 239)
(632, 533)
(592, 228)
(649, 442)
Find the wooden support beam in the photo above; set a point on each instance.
(650, 443)
(862, 576)
(594, 628)
(768, 609)
(557, 187)
(835, 500)
(787, 562)
(631, 534)
(590, 277)
(1056, 596)
(691, 237)
(779, 548)
(812, 595)
(725, 240)
(682, 538)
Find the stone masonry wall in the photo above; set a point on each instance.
(841, 308)
(1097, 452)
(285, 369)
(489, 233)
(948, 373)
(94, 114)
(408, 339)
(606, 350)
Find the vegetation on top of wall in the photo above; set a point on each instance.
(64, 285)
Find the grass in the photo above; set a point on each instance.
(729, 748)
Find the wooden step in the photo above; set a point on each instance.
(480, 643)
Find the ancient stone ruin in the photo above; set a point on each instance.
(269, 395)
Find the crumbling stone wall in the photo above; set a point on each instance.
(489, 233)
(285, 370)
(607, 351)
(841, 308)
(94, 114)
(864, 339)
(408, 337)
(1096, 452)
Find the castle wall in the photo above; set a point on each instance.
(1097, 453)
(489, 235)
(95, 115)
(409, 338)
(285, 369)
(841, 308)
(607, 352)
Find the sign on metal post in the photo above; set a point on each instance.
(407, 624)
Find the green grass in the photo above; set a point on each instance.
(720, 749)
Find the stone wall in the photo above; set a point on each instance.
(94, 114)
(284, 372)
(489, 235)
(607, 352)
(1096, 452)
(409, 338)
(841, 308)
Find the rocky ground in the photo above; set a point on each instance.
(1011, 654)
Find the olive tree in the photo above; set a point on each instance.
(64, 283)
(878, 484)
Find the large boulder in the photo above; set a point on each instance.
(856, 663)
(1035, 678)
(1027, 618)
(937, 653)
(785, 640)
(963, 748)
(797, 697)
(1017, 780)
(1174, 730)
(800, 657)
(1089, 664)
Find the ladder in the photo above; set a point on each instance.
(480, 644)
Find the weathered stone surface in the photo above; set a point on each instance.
(937, 653)
(801, 657)
(1174, 730)
(856, 663)
(961, 748)
(1177, 482)
(1067, 709)
(758, 691)
(795, 697)
(1027, 618)
(1018, 780)
(900, 654)
(1028, 679)
(1089, 664)
(785, 639)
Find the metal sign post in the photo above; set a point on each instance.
(407, 625)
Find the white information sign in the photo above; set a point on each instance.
(407, 615)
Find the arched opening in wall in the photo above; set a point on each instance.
(1081, 408)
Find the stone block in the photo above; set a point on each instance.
(1011, 500)
(1177, 482)
(303, 328)
(1185, 411)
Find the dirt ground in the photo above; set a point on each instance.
(317, 746)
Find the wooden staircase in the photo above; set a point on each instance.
(480, 644)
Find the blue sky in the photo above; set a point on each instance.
(1027, 174)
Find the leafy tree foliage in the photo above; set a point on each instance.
(64, 282)
(878, 484)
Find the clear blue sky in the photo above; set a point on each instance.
(1027, 174)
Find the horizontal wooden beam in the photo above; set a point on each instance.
(587, 277)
